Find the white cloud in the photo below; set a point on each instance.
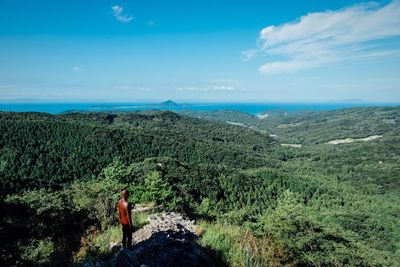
(131, 88)
(77, 69)
(117, 11)
(213, 85)
(223, 88)
(249, 54)
(358, 33)
(210, 88)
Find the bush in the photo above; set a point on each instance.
(38, 252)
(239, 247)
(98, 198)
(46, 225)
(95, 244)
(156, 189)
(314, 243)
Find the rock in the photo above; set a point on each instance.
(93, 264)
(126, 258)
(114, 247)
(168, 240)
(169, 248)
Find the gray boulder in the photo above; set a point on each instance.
(168, 240)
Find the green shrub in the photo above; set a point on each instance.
(46, 225)
(314, 243)
(156, 189)
(42, 201)
(95, 244)
(237, 246)
(139, 219)
(98, 197)
(38, 252)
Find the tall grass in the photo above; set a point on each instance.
(139, 219)
(236, 246)
(96, 244)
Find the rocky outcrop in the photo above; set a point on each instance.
(167, 240)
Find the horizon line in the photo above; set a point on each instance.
(42, 101)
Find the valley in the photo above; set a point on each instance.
(302, 202)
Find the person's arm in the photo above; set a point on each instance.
(128, 211)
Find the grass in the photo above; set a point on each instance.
(230, 245)
(96, 244)
(236, 246)
(139, 219)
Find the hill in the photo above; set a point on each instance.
(255, 201)
(376, 160)
(169, 103)
(315, 127)
(41, 150)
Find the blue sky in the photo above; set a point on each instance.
(220, 51)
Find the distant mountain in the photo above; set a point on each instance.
(169, 103)
(166, 104)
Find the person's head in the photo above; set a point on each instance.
(125, 193)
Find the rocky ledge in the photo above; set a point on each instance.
(167, 240)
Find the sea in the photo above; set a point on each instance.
(252, 108)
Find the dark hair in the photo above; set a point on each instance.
(125, 189)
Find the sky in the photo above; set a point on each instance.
(199, 51)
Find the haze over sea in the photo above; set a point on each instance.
(252, 108)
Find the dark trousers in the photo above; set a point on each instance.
(126, 236)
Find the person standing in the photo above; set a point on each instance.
(125, 219)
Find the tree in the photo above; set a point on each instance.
(155, 189)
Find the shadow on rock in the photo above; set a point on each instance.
(166, 249)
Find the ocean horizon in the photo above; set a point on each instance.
(251, 108)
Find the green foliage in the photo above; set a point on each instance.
(242, 217)
(239, 247)
(140, 219)
(317, 244)
(40, 227)
(39, 252)
(377, 160)
(42, 201)
(42, 150)
(96, 244)
(319, 205)
(155, 189)
(97, 198)
(207, 208)
(116, 171)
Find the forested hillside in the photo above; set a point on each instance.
(259, 203)
(314, 127)
(376, 161)
(41, 150)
